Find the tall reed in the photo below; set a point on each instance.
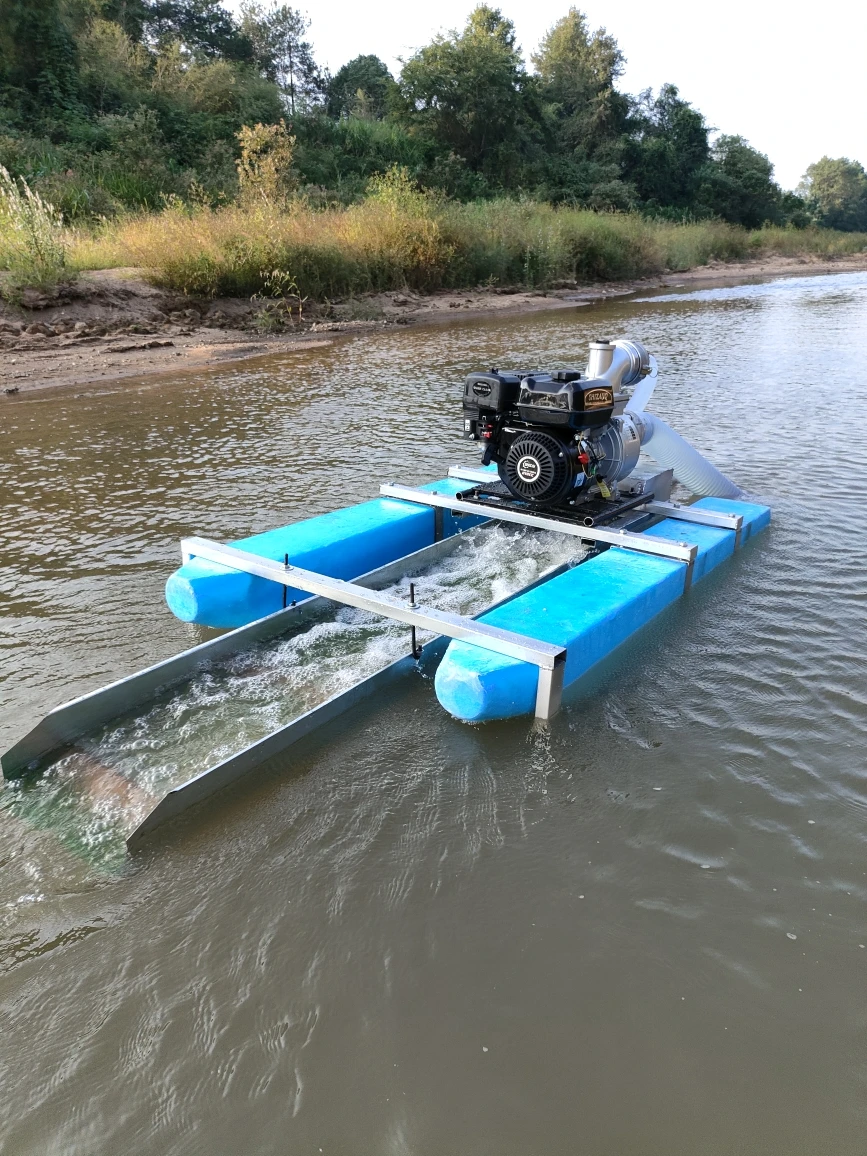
(32, 245)
(402, 238)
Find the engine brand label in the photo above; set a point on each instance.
(482, 389)
(598, 398)
(528, 469)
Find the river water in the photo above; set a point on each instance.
(643, 931)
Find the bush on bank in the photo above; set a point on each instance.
(399, 238)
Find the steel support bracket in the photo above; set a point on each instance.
(699, 517)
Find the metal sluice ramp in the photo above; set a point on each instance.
(548, 658)
(62, 730)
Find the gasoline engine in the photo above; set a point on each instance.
(562, 437)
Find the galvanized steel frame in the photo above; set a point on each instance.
(641, 543)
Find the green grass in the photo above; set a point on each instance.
(401, 238)
(32, 243)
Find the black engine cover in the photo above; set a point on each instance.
(566, 400)
(538, 468)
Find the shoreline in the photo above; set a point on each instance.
(112, 325)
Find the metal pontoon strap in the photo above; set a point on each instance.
(642, 543)
(699, 517)
(549, 659)
(473, 474)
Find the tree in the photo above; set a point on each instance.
(38, 57)
(835, 191)
(202, 26)
(665, 150)
(113, 67)
(130, 16)
(738, 184)
(277, 35)
(577, 72)
(337, 157)
(365, 86)
(468, 94)
(584, 112)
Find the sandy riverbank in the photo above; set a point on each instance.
(113, 325)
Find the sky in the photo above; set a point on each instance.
(790, 77)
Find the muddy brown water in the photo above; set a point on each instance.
(641, 932)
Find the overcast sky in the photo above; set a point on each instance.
(791, 77)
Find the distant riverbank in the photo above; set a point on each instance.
(114, 324)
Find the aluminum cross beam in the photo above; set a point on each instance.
(547, 657)
(643, 543)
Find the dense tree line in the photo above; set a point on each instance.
(106, 104)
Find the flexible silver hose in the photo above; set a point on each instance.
(674, 452)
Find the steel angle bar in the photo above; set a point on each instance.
(519, 646)
(473, 474)
(73, 719)
(642, 543)
(700, 517)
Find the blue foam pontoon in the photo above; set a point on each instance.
(590, 611)
(342, 544)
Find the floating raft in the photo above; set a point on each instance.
(513, 658)
(584, 614)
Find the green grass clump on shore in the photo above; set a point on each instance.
(400, 237)
(32, 246)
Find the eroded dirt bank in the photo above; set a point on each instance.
(111, 325)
